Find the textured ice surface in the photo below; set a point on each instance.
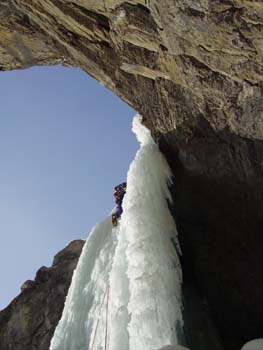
(126, 290)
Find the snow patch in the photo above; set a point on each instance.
(256, 344)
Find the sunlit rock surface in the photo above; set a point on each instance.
(175, 62)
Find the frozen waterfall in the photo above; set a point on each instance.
(126, 290)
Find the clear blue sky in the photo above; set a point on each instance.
(65, 142)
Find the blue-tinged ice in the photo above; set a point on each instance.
(126, 290)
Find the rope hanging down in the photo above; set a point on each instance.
(95, 333)
(107, 314)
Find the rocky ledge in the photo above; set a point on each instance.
(30, 320)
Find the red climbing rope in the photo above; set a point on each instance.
(94, 337)
(107, 314)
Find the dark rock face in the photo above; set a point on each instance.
(193, 70)
(30, 320)
(218, 194)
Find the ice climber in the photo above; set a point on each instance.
(119, 192)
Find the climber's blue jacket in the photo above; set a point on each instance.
(119, 192)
